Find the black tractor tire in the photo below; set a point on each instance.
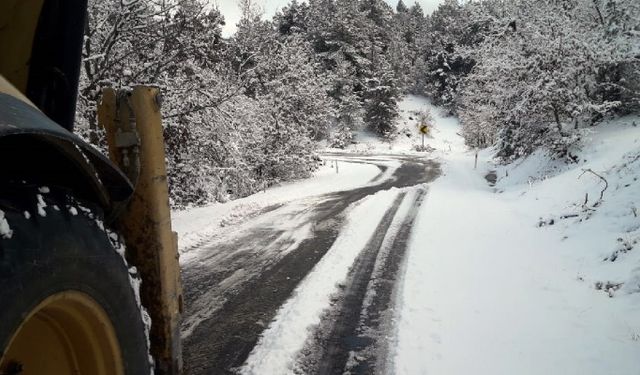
(62, 247)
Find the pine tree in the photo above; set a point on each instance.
(381, 108)
(401, 8)
(293, 18)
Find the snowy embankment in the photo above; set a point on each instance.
(524, 277)
(407, 137)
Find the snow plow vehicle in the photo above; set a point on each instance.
(89, 272)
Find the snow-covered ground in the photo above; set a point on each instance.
(498, 282)
(520, 277)
(407, 137)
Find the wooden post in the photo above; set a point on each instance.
(132, 121)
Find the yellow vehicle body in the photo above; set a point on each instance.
(69, 332)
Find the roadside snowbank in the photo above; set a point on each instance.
(497, 282)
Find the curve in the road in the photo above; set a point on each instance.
(226, 334)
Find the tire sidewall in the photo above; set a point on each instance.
(63, 251)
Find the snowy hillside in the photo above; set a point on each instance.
(524, 277)
(407, 139)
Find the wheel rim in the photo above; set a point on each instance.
(68, 333)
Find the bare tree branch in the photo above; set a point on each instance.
(606, 184)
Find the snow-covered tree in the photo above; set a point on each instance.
(246, 112)
(381, 108)
(294, 18)
(401, 8)
(548, 72)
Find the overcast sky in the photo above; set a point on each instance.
(231, 12)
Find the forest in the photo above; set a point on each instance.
(252, 110)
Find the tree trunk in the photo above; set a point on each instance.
(94, 139)
(556, 115)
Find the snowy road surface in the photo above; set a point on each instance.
(405, 263)
(327, 262)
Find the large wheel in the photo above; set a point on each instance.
(67, 305)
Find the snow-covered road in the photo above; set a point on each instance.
(390, 261)
(256, 290)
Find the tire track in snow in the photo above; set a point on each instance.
(225, 339)
(351, 337)
(236, 285)
(377, 319)
(278, 347)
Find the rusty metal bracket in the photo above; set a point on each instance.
(132, 121)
